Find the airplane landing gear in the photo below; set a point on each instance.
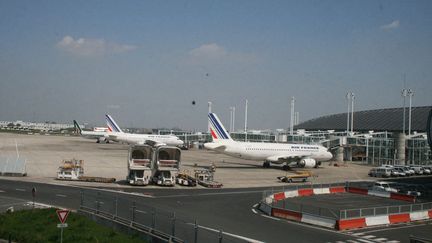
(285, 167)
(266, 164)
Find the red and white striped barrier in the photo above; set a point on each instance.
(392, 195)
(344, 224)
(303, 192)
(304, 218)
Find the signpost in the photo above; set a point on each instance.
(62, 215)
(33, 195)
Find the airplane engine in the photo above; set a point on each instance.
(308, 162)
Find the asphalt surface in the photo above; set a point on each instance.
(230, 210)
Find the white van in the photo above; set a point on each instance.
(381, 172)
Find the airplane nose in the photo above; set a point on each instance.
(329, 155)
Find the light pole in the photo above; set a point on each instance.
(348, 97)
(404, 95)
(410, 94)
(352, 113)
(233, 120)
(209, 111)
(245, 128)
(292, 116)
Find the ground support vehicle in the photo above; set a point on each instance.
(139, 164)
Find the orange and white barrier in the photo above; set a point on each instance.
(344, 224)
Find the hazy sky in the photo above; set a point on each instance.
(146, 61)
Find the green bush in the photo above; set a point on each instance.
(40, 225)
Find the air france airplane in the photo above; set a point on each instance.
(132, 138)
(302, 155)
(99, 134)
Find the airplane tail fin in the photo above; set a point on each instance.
(217, 129)
(77, 127)
(112, 125)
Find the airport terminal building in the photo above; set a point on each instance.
(378, 137)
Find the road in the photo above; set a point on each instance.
(230, 210)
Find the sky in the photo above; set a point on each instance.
(145, 62)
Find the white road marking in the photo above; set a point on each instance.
(21, 190)
(255, 205)
(395, 228)
(393, 241)
(2, 191)
(253, 210)
(366, 241)
(358, 234)
(368, 236)
(270, 217)
(139, 211)
(60, 195)
(39, 205)
(210, 194)
(381, 239)
(353, 241)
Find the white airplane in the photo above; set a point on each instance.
(302, 155)
(132, 138)
(99, 134)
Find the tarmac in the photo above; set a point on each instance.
(44, 155)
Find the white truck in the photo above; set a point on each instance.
(139, 164)
(166, 165)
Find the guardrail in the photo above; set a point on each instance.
(153, 222)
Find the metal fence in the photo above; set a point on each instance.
(384, 210)
(151, 219)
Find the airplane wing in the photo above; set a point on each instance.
(285, 158)
(151, 143)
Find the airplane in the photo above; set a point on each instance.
(99, 134)
(116, 134)
(303, 155)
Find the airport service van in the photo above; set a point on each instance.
(166, 165)
(381, 172)
(139, 164)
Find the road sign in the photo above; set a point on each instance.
(62, 215)
(62, 225)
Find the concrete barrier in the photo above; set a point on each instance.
(305, 192)
(337, 189)
(265, 208)
(419, 215)
(320, 221)
(377, 220)
(279, 196)
(344, 224)
(286, 214)
(355, 223)
(357, 190)
(399, 218)
(289, 194)
(317, 191)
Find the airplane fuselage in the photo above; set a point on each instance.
(265, 151)
(141, 138)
